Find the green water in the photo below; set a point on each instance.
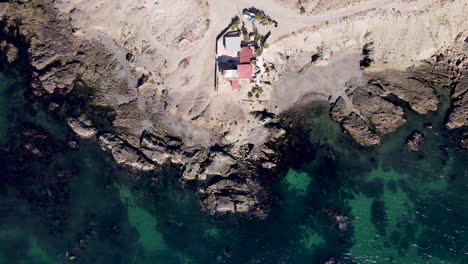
(402, 207)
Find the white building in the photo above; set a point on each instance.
(232, 42)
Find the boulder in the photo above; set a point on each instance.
(124, 153)
(409, 86)
(460, 88)
(193, 168)
(414, 141)
(35, 143)
(464, 141)
(357, 127)
(331, 261)
(11, 54)
(360, 130)
(459, 115)
(268, 165)
(383, 115)
(219, 164)
(229, 196)
(82, 126)
(224, 204)
(73, 144)
(191, 171)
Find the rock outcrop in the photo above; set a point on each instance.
(231, 196)
(356, 126)
(366, 114)
(124, 153)
(464, 141)
(414, 141)
(369, 111)
(82, 126)
(454, 65)
(10, 51)
(226, 189)
(410, 86)
(102, 91)
(459, 115)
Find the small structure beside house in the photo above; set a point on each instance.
(232, 41)
(230, 74)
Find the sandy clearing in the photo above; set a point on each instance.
(317, 83)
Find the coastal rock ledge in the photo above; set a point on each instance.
(367, 112)
(101, 98)
(105, 98)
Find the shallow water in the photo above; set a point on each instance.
(403, 207)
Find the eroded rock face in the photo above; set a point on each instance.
(407, 87)
(82, 126)
(455, 64)
(383, 115)
(369, 111)
(365, 114)
(230, 196)
(459, 115)
(461, 88)
(124, 153)
(358, 129)
(414, 141)
(10, 51)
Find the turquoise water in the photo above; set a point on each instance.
(78, 207)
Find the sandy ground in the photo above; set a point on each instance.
(318, 82)
(318, 7)
(173, 41)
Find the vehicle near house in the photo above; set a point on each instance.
(249, 18)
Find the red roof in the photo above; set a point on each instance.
(235, 84)
(245, 54)
(245, 71)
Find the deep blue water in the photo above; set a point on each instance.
(76, 206)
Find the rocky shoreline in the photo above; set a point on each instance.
(101, 102)
(368, 112)
(65, 68)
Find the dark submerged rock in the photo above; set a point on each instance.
(464, 141)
